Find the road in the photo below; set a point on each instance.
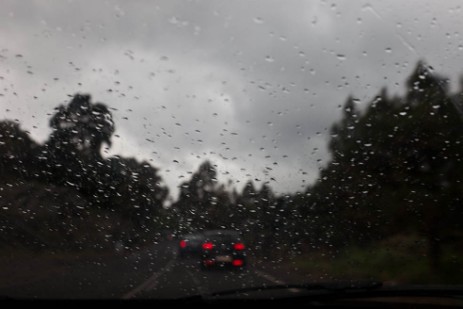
(156, 272)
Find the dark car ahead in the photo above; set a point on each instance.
(190, 245)
(223, 248)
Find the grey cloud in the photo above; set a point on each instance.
(243, 83)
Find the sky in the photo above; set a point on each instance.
(252, 86)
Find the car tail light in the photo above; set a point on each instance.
(182, 243)
(208, 246)
(238, 263)
(238, 246)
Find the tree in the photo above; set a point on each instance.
(72, 154)
(123, 198)
(16, 148)
(81, 127)
(135, 191)
(396, 168)
(203, 203)
(246, 207)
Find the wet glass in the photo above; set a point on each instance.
(327, 135)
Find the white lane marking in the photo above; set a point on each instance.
(272, 279)
(151, 282)
(199, 286)
(166, 268)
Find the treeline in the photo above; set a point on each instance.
(268, 222)
(396, 168)
(67, 192)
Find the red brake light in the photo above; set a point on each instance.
(208, 246)
(238, 263)
(182, 243)
(238, 246)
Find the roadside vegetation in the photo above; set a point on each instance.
(399, 260)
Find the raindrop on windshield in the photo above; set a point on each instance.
(269, 59)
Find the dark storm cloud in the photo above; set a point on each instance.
(252, 85)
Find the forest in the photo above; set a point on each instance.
(396, 168)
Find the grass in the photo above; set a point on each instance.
(399, 260)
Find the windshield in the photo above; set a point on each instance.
(163, 149)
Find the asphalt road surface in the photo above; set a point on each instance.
(155, 272)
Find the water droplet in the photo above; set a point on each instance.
(258, 20)
(341, 57)
(388, 50)
(173, 20)
(269, 59)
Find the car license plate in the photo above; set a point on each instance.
(224, 258)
